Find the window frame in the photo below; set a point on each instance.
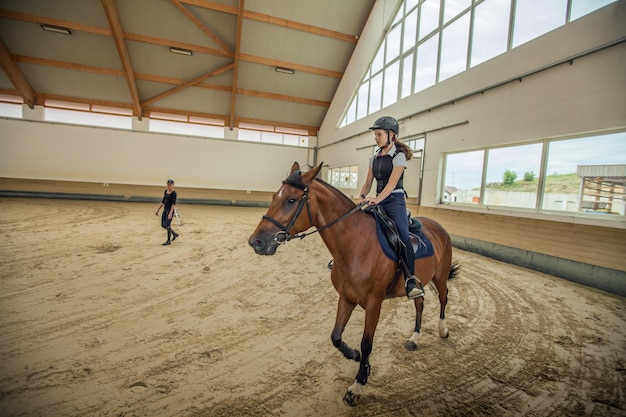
(541, 180)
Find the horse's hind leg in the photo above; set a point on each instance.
(442, 288)
(344, 311)
(411, 344)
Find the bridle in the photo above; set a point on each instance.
(283, 235)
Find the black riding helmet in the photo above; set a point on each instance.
(386, 123)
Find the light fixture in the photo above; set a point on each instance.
(284, 70)
(180, 51)
(56, 29)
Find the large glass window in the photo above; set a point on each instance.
(533, 18)
(585, 176)
(563, 191)
(344, 177)
(452, 8)
(362, 97)
(87, 118)
(463, 177)
(426, 67)
(491, 30)
(410, 31)
(437, 34)
(513, 176)
(393, 44)
(583, 7)
(407, 75)
(429, 17)
(454, 44)
(376, 90)
(390, 90)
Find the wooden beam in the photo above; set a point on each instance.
(170, 80)
(218, 7)
(297, 67)
(283, 97)
(26, 17)
(260, 17)
(166, 42)
(118, 35)
(202, 27)
(187, 84)
(16, 76)
(233, 94)
(68, 65)
(290, 24)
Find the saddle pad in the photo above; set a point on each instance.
(422, 246)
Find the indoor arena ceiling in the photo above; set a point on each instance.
(119, 53)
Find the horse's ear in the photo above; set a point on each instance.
(309, 176)
(294, 167)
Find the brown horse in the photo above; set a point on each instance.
(361, 273)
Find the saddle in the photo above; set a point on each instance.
(389, 239)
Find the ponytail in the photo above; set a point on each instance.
(402, 147)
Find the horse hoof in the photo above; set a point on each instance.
(445, 334)
(411, 346)
(357, 355)
(351, 399)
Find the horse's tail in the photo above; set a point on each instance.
(455, 268)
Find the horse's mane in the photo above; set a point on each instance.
(295, 180)
(336, 191)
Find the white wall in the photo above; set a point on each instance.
(50, 151)
(586, 96)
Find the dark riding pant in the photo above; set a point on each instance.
(395, 207)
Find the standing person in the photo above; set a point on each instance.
(387, 166)
(169, 204)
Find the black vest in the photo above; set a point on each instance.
(381, 168)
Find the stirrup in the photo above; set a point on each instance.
(417, 292)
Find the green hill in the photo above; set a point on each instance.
(561, 184)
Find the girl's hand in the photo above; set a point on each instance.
(169, 216)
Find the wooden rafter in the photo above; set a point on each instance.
(166, 42)
(260, 17)
(202, 27)
(186, 84)
(233, 94)
(283, 97)
(297, 67)
(68, 65)
(118, 35)
(31, 18)
(16, 76)
(169, 80)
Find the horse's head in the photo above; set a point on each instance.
(288, 214)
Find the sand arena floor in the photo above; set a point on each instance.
(98, 319)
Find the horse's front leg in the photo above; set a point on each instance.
(344, 311)
(372, 314)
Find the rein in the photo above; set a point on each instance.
(283, 235)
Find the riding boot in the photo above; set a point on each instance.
(169, 237)
(412, 284)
